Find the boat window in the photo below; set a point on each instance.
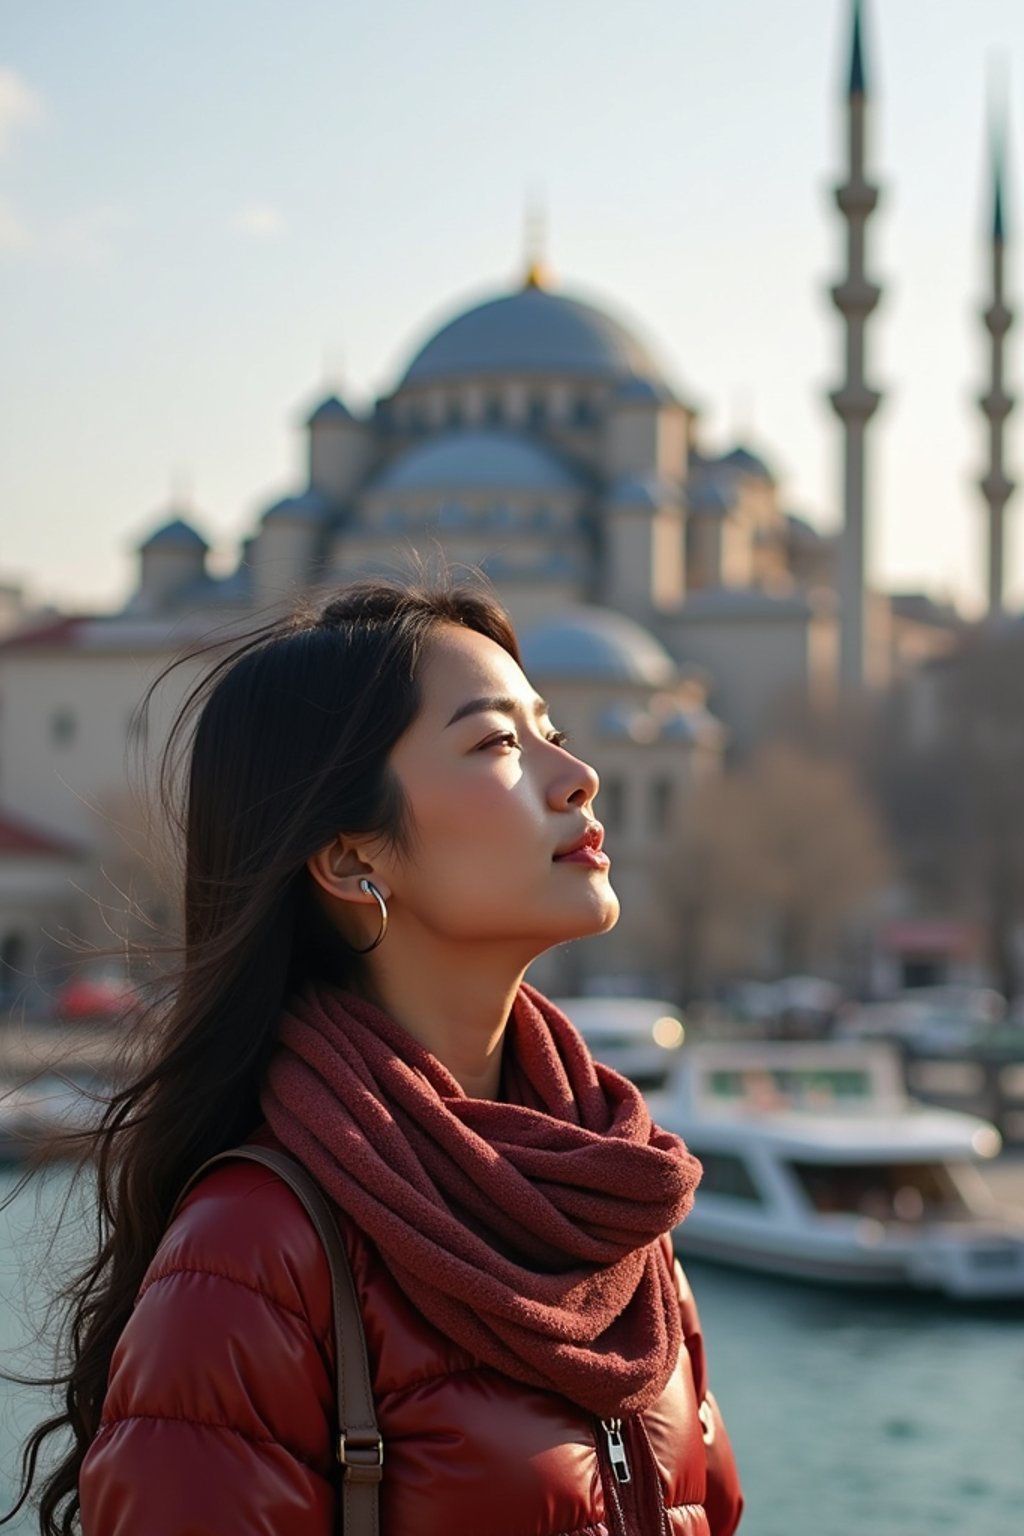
(726, 1174)
(767, 1087)
(893, 1192)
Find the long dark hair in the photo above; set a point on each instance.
(284, 743)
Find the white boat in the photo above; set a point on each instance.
(638, 1036)
(818, 1166)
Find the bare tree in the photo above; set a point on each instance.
(771, 867)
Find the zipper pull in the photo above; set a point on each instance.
(616, 1449)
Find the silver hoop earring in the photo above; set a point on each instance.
(369, 889)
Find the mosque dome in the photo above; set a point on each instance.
(597, 645)
(478, 458)
(532, 331)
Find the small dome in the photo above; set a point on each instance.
(177, 534)
(645, 491)
(534, 332)
(711, 491)
(747, 463)
(331, 409)
(624, 722)
(595, 644)
(482, 458)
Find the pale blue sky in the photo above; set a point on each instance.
(205, 207)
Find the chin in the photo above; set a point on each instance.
(601, 914)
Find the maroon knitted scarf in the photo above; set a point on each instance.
(524, 1229)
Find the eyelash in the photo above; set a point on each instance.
(557, 738)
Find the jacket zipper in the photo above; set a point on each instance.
(617, 1450)
(618, 1462)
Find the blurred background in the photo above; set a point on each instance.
(693, 327)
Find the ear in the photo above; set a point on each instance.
(338, 868)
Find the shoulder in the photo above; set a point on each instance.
(220, 1400)
(242, 1225)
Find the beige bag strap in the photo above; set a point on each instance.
(360, 1448)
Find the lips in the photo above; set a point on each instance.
(589, 840)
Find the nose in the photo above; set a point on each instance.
(574, 783)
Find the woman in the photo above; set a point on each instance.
(383, 829)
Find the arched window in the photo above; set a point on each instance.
(537, 411)
(494, 411)
(660, 804)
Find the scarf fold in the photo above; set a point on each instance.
(526, 1229)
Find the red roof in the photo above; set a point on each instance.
(17, 838)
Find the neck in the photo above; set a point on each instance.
(456, 1005)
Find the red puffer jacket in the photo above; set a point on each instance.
(217, 1420)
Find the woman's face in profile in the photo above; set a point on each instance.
(498, 808)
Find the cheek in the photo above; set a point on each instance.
(469, 827)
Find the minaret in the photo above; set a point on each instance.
(854, 403)
(997, 404)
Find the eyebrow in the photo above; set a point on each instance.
(502, 704)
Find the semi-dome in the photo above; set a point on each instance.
(597, 645)
(478, 458)
(309, 505)
(647, 493)
(532, 331)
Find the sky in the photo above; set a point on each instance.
(212, 212)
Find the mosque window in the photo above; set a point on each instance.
(455, 412)
(494, 412)
(612, 804)
(416, 418)
(537, 411)
(583, 412)
(660, 804)
(63, 727)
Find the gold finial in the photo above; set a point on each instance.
(537, 275)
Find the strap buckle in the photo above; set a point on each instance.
(361, 1453)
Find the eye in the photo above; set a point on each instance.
(506, 739)
(557, 738)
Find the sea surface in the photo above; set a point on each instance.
(848, 1412)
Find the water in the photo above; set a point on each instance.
(902, 1416)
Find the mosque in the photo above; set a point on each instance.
(670, 605)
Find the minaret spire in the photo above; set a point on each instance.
(996, 405)
(854, 403)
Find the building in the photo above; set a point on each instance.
(671, 605)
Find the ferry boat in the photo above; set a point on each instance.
(818, 1166)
